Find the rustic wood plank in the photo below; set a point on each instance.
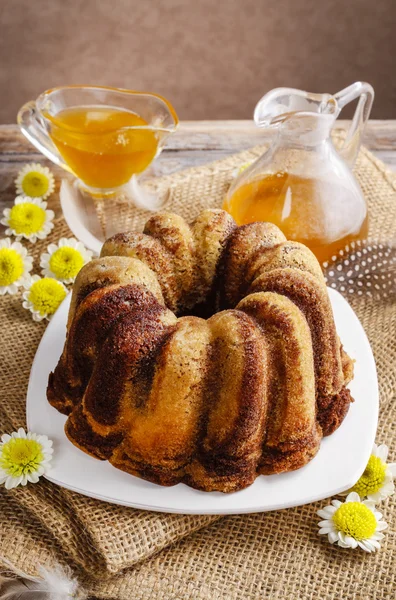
(211, 135)
(194, 144)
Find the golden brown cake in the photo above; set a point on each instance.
(206, 354)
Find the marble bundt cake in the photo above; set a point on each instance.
(206, 354)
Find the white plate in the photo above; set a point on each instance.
(337, 466)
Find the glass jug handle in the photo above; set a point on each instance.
(33, 129)
(365, 93)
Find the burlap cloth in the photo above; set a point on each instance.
(123, 553)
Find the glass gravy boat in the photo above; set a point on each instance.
(104, 136)
(302, 183)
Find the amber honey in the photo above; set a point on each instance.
(317, 213)
(103, 146)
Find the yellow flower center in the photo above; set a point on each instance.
(20, 456)
(11, 266)
(26, 218)
(356, 520)
(66, 262)
(373, 477)
(35, 184)
(46, 295)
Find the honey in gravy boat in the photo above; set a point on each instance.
(103, 145)
(302, 183)
(102, 135)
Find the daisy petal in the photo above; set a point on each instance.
(362, 544)
(333, 537)
(324, 513)
(350, 541)
(343, 544)
(352, 497)
(325, 530)
(324, 523)
(382, 452)
(392, 468)
(374, 497)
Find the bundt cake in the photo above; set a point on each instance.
(206, 354)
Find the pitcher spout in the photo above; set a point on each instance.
(281, 104)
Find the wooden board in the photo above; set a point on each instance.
(195, 143)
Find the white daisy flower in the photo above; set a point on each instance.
(376, 483)
(353, 523)
(15, 265)
(24, 457)
(43, 297)
(35, 181)
(28, 218)
(64, 260)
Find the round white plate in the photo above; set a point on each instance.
(338, 465)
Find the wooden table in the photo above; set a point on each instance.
(195, 143)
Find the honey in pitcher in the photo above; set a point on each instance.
(103, 145)
(323, 215)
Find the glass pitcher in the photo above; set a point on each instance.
(105, 136)
(302, 183)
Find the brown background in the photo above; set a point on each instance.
(212, 58)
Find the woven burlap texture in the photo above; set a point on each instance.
(273, 555)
